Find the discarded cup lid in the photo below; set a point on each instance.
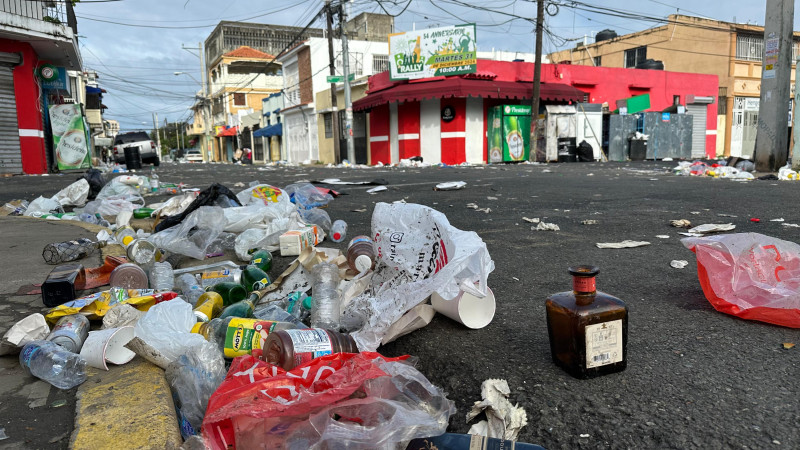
(128, 276)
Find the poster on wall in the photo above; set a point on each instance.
(69, 137)
(433, 52)
(771, 50)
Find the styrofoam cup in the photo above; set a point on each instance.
(108, 345)
(467, 309)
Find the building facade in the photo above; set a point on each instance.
(32, 34)
(733, 52)
(270, 39)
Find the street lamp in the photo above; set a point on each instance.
(206, 114)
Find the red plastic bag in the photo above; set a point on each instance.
(750, 275)
(256, 389)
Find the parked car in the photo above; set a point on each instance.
(192, 155)
(147, 148)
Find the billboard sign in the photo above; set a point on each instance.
(433, 52)
(70, 139)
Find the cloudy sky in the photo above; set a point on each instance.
(136, 45)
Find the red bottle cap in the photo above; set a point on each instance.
(755, 220)
(337, 236)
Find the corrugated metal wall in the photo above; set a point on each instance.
(10, 154)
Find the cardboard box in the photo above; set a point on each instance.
(295, 241)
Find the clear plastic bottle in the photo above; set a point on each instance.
(52, 363)
(161, 277)
(291, 348)
(299, 305)
(361, 254)
(327, 309)
(154, 184)
(189, 287)
(88, 218)
(317, 217)
(338, 230)
(275, 312)
(70, 332)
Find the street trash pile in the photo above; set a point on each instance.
(256, 359)
(733, 168)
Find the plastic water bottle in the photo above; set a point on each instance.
(338, 230)
(153, 180)
(276, 313)
(317, 217)
(190, 288)
(50, 362)
(361, 254)
(161, 277)
(327, 309)
(88, 218)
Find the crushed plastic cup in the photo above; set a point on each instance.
(108, 345)
(467, 309)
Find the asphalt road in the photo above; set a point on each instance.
(696, 378)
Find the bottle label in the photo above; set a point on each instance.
(215, 274)
(260, 284)
(359, 239)
(310, 344)
(603, 343)
(28, 355)
(583, 284)
(246, 336)
(257, 261)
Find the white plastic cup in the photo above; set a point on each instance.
(467, 309)
(108, 346)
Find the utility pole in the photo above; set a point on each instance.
(158, 134)
(772, 134)
(335, 114)
(205, 109)
(348, 112)
(537, 78)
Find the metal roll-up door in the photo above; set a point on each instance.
(698, 113)
(10, 154)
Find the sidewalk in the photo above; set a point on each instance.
(129, 406)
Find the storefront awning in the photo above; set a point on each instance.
(227, 132)
(272, 130)
(461, 87)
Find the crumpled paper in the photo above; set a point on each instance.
(544, 226)
(504, 421)
(31, 328)
(624, 244)
(712, 228)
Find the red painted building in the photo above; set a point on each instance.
(412, 118)
(31, 34)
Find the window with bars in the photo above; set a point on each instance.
(597, 61)
(328, 119)
(749, 47)
(239, 99)
(635, 56)
(380, 63)
(356, 64)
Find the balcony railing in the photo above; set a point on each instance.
(58, 12)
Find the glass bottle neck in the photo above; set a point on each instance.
(583, 285)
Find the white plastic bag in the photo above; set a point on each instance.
(75, 194)
(265, 194)
(267, 238)
(167, 328)
(255, 215)
(420, 253)
(42, 206)
(192, 236)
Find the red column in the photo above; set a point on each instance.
(29, 108)
(453, 132)
(379, 135)
(408, 129)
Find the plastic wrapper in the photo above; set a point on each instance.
(256, 215)
(75, 194)
(268, 237)
(120, 186)
(42, 206)
(381, 403)
(95, 306)
(192, 236)
(193, 377)
(750, 275)
(307, 196)
(175, 205)
(167, 328)
(420, 253)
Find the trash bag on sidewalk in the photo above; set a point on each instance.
(75, 194)
(96, 182)
(214, 195)
(750, 275)
(194, 234)
(420, 253)
(379, 402)
(42, 206)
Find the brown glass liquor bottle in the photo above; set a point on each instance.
(588, 329)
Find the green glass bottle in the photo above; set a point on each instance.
(231, 292)
(243, 308)
(254, 279)
(142, 213)
(262, 259)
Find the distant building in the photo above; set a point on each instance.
(732, 51)
(33, 33)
